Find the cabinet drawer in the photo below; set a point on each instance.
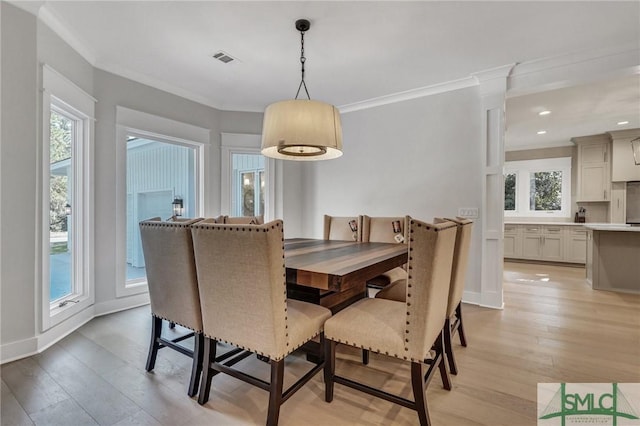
(578, 231)
(552, 230)
(510, 229)
(532, 229)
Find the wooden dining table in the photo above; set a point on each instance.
(334, 273)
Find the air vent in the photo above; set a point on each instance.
(223, 57)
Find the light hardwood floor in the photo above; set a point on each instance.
(553, 328)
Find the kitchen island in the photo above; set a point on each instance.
(613, 257)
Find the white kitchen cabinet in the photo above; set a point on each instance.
(575, 245)
(552, 242)
(617, 209)
(512, 241)
(623, 166)
(589, 259)
(594, 175)
(531, 242)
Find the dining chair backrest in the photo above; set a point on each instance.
(244, 220)
(384, 229)
(460, 260)
(171, 271)
(341, 228)
(243, 292)
(430, 259)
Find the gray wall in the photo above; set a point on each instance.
(27, 42)
(420, 157)
(18, 179)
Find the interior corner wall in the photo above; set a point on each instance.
(26, 42)
(112, 90)
(421, 157)
(18, 179)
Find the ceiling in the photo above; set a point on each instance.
(356, 51)
(582, 110)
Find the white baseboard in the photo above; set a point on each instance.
(13, 351)
(121, 304)
(472, 297)
(60, 331)
(20, 349)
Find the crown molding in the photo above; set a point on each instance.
(493, 80)
(406, 95)
(155, 84)
(522, 78)
(574, 68)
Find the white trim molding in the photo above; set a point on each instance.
(493, 88)
(234, 143)
(62, 93)
(144, 125)
(420, 92)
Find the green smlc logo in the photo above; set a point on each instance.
(613, 404)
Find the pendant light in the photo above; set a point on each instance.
(302, 129)
(635, 147)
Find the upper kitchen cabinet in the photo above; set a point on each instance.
(623, 166)
(594, 173)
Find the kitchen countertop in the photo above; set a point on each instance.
(612, 227)
(544, 223)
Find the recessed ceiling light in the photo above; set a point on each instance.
(545, 112)
(622, 123)
(542, 132)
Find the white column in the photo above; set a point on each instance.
(493, 88)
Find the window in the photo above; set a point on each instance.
(510, 192)
(67, 264)
(248, 184)
(538, 188)
(157, 173)
(158, 160)
(251, 184)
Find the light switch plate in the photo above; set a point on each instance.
(468, 212)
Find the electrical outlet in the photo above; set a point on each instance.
(468, 212)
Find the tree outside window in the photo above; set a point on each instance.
(545, 193)
(538, 188)
(510, 192)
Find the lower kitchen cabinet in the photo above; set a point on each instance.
(555, 243)
(576, 247)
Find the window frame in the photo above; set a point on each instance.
(238, 143)
(523, 170)
(131, 122)
(62, 96)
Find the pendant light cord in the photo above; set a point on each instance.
(302, 61)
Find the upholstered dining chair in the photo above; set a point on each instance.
(343, 228)
(453, 324)
(405, 330)
(243, 220)
(241, 277)
(385, 230)
(173, 289)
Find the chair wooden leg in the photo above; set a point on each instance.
(463, 339)
(154, 345)
(329, 368)
(448, 346)
(419, 393)
(209, 355)
(365, 356)
(196, 367)
(275, 391)
(441, 358)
